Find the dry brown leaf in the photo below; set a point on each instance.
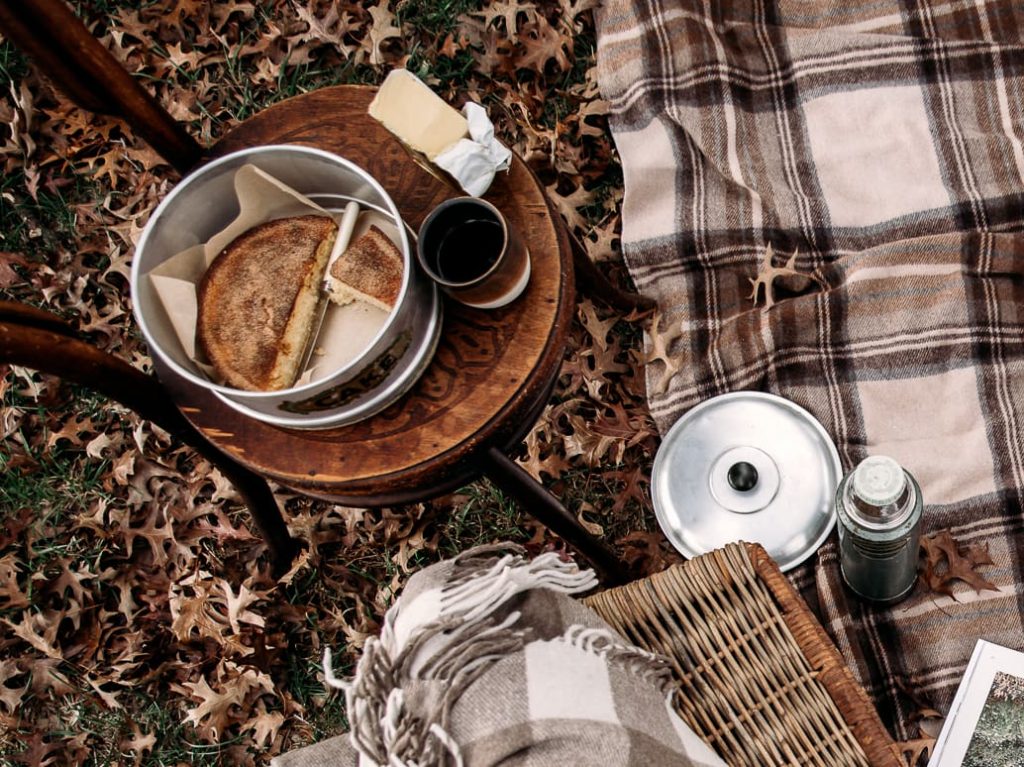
(383, 29)
(508, 11)
(660, 351)
(541, 456)
(237, 606)
(40, 631)
(946, 561)
(569, 205)
(647, 553)
(635, 483)
(590, 526)
(214, 711)
(194, 613)
(768, 274)
(9, 277)
(96, 446)
(39, 751)
(11, 595)
(11, 697)
(573, 9)
(20, 124)
(265, 726)
(157, 530)
(543, 43)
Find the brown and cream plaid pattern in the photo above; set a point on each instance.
(487, 660)
(882, 144)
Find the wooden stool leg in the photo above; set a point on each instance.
(540, 504)
(52, 350)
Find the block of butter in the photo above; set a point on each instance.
(423, 120)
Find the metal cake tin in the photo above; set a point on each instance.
(747, 466)
(202, 204)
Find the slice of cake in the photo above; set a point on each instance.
(258, 299)
(369, 270)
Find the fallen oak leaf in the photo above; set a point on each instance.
(508, 11)
(11, 595)
(10, 697)
(214, 709)
(383, 29)
(573, 8)
(660, 345)
(768, 273)
(593, 528)
(8, 276)
(645, 553)
(96, 446)
(542, 43)
(109, 698)
(46, 678)
(264, 726)
(237, 612)
(194, 614)
(595, 326)
(634, 481)
(450, 47)
(30, 627)
(39, 752)
(941, 548)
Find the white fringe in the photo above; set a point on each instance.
(609, 648)
(457, 649)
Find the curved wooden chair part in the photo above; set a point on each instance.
(42, 341)
(60, 45)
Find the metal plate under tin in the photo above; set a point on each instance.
(704, 487)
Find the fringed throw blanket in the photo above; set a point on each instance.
(486, 660)
(826, 201)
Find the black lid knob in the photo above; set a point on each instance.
(742, 476)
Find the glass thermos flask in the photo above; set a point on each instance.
(878, 505)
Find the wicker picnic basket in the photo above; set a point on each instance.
(760, 680)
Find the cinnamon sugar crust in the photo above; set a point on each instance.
(258, 298)
(369, 270)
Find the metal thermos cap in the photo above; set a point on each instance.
(747, 466)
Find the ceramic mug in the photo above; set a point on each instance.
(468, 248)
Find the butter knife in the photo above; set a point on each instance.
(345, 228)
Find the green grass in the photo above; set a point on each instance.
(13, 65)
(436, 19)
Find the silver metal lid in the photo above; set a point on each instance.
(747, 466)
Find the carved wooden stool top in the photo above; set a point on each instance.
(491, 374)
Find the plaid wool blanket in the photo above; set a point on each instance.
(486, 660)
(865, 160)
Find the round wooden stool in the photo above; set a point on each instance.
(487, 383)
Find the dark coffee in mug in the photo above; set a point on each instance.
(469, 249)
(463, 242)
